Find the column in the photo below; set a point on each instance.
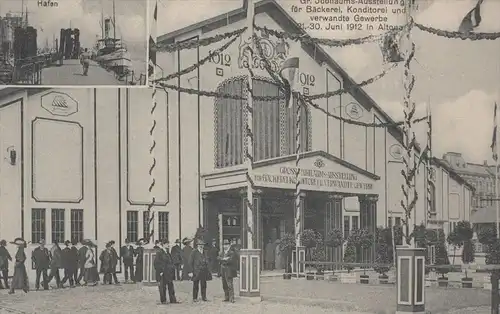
(250, 258)
(333, 220)
(368, 221)
(410, 280)
(299, 254)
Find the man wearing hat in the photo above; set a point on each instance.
(186, 253)
(198, 262)
(115, 258)
(164, 268)
(127, 255)
(176, 252)
(41, 259)
(4, 264)
(69, 263)
(139, 253)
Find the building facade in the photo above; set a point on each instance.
(77, 163)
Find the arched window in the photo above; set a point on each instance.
(432, 189)
(274, 124)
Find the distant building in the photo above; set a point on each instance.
(482, 177)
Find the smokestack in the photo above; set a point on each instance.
(107, 27)
(245, 4)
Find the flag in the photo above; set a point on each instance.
(288, 70)
(424, 156)
(494, 138)
(390, 49)
(152, 42)
(472, 19)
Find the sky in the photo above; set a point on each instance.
(461, 79)
(82, 14)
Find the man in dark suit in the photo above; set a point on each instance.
(82, 257)
(164, 268)
(198, 262)
(41, 259)
(176, 252)
(69, 263)
(127, 255)
(229, 270)
(4, 264)
(115, 260)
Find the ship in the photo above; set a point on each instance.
(110, 51)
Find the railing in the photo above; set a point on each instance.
(29, 70)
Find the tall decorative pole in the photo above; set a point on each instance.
(430, 173)
(148, 255)
(249, 256)
(410, 260)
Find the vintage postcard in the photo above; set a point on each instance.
(285, 156)
(73, 42)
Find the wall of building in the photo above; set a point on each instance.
(92, 156)
(358, 145)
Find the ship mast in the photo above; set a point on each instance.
(114, 25)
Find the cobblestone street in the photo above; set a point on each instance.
(279, 296)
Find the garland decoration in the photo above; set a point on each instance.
(360, 123)
(307, 39)
(458, 35)
(267, 65)
(195, 43)
(199, 63)
(354, 86)
(298, 197)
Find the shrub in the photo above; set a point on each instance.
(287, 243)
(309, 238)
(357, 240)
(487, 235)
(349, 256)
(384, 250)
(442, 255)
(334, 238)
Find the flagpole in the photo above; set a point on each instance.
(429, 160)
(497, 203)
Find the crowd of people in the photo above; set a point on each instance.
(79, 262)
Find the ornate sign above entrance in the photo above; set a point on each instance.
(319, 163)
(275, 52)
(59, 104)
(354, 110)
(314, 178)
(396, 151)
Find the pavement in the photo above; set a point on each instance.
(279, 296)
(71, 73)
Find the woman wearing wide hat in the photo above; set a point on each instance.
(20, 278)
(91, 274)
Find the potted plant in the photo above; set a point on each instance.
(287, 244)
(362, 239)
(349, 258)
(384, 254)
(488, 237)
(454, 240)
(442, 260)
(464, 233)
(318, 256)
(334, 239)
(309, 239)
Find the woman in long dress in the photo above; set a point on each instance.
(90, 265)
(20, 278)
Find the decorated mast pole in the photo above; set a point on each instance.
(149, 251)
(249, 256)
(410, 260)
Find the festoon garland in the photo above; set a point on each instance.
(199, 63)
(410, 195)
(458, 35)
(195, 43)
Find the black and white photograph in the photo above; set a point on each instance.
(73, 42)
(285, 156)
